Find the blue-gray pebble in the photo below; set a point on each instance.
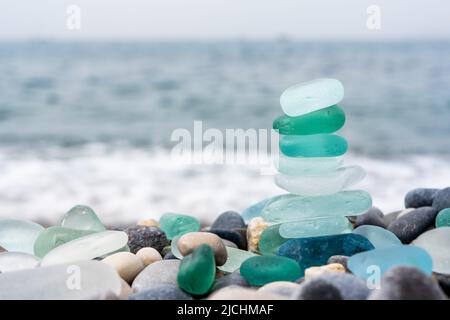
(231, 279)
(228, 220)
(373, 217)
(420, 197)
(161, 292)
(442, 199)
(317, 289)
(411, 225)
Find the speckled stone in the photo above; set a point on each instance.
(254, 230)
(141, 237)
(410, 226)
(420, 197)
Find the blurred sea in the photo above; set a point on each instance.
(91, 122)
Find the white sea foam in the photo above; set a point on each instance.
(125, 184)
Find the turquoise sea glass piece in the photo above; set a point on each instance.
(53, 237)
(255, 210)
(316, 145)
(178, 224)
(443, 218)
(174, 248)
(82, 217)
(19, 235)
(327, 120)
(292, 208)
(316, 251)
(315, 227)
(235, 257)
(261, 270)
(271, 240)
(310, 96)
(321, 183)
(437, 243)
(306, 166)
(379, 237)
(368, 263)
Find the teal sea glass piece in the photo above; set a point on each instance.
(235, 257)
(322, 183)
(437, 243)
(292, 208)
(18, 235)
(310, 96)
(316, 251)
(255, 210)
(327, 120)
(271, 240)
(293, 166)
(368, 263)
(53, 237)
(82, 217)
(315, 227)
(316, 145)
(443, 218)
(261, 270)
(178, 224)
(379, 237)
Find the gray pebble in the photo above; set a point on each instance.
(229, 280)
(411, 225)
(339, 259)
(159, 272)
(317, 289)
(407, 283)
(372, 217)
(420, 197)
(350, 286)
(169, 256)
(442, 199)
(228, 220)
(141, 237)
(161, 292)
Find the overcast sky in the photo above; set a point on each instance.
(218, 19)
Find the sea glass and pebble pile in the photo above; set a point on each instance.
(318, 241)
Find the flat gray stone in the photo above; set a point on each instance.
(160, 272)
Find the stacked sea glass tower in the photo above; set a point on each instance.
(310, 167)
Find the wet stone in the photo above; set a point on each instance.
(228, 220)
(420, 197)
(411, 225)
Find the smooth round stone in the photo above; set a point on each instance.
(161, 292)
(188, 242)
(407, 283)
(197, 271)
(82, 280)
(155, 274)
(232, 279)
(261, 270)
(443, 218)
(126, 264)
(283, 288)
(178, 224)
(310, 96)
(236, 236)
(142, 237)
(411, 225)
(366, 264)
(420, 197)
(235, 258)
(82, 218)
(317, 289)
(327, 120)
(19, 235)
(271, 240)
(14, 261)
(291, 208)
(373, 217)
(316, 145)
(379, 237)
(53, 237)
(316, 251)
(86, 248)
(148, 255)
(391, 216)
(321, 184)
(441, 199)
(437, 243)
(255, 228)
(315, 227)
(239, 293)
(293, 166)
(228, 220)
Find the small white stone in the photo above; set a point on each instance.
(148, 255)
(126, 264)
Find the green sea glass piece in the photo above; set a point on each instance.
(261, 270)
(293, 166)
(235, 259)
(321, 183)
(178, 224)
(271, 240)
(316, 145)
(82, 217)
(197, 271)
(443, 218)
(292, 208)
(315, 227)
(310, 96)
(379, 237)
(53, 237)
(19, 235)
(437, 243)
(327, 120)
(87, 248)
